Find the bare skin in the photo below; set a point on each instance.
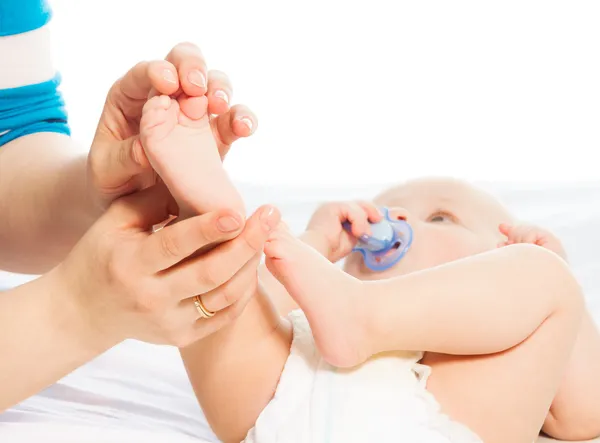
(575, 411)
(117, 281)
(179, 143)
(521, 279)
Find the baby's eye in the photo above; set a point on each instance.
(441, 217)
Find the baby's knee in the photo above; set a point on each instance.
(557, 278)
(581, 427)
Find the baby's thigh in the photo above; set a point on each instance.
(505, 397)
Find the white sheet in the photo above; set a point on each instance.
(136, 386)
(63, 433)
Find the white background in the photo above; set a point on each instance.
(367, 92)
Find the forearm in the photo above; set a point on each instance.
(479, 305)
(42, 339)
(44, 202)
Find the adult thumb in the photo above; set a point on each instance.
(115, 163)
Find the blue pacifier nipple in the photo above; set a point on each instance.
(388, 243)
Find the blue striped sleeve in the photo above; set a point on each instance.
(32, 108)
(19, 16)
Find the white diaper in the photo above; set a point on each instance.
(382, 400)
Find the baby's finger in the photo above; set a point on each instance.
(373, 213)
(529, 236)
(358, 219)
(505, 229)
(219, 93)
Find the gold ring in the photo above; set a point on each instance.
(204, 313)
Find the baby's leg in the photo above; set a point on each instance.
(517, 308)
(467, 303)
(575, 411)
(505, 396)
(235, 371)
(182, 150)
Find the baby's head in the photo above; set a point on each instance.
(451, 219)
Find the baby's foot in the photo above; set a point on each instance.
(332, 300)
(184, 153)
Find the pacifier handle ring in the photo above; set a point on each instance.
(385, 258)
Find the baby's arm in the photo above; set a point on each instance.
(575, 412)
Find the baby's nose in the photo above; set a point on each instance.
(399, 214)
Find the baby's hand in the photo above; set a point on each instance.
(532, 235)
(326, 234)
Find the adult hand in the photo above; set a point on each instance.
(116, 164)
(128, 282)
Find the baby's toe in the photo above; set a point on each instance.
(275, 245)
(193, 109)
(159, 117)
(156, 103)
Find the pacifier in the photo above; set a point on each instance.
(388, 243)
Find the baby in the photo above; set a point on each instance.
(496, 325)
(178, 141)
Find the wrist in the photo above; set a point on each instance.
(73, 320)
(96, 203)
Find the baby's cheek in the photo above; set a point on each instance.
(445, 248)
(472, 245)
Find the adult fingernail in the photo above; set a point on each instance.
(228, 224)
(248, 122)
(269, 218)
(222, 95)
(197, 78)
(169, 76)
